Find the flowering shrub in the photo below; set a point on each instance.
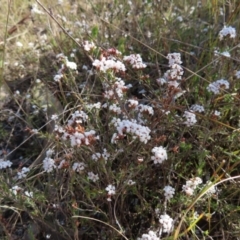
(133, 130)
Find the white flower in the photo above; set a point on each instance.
(19, 44)
(135, 60)
(111, 189)
(211, 190)
(54, 117)
(197, 108)
(78, 166)
(166, 222)
(160, 155)
(132, 103)
(48, 164)
(130, 182)
(227, 31)
(131, 127)
(58, 77)
(93, 177)
(88, 46)
(5, 163)
(49, 152)
(169, 192)
(144, 108)
(216, 113)
(15, 189)
(174, 58)
(71, 65)
(149, 236)
(104, 65)
(28, 194)
(216, 86)
(114, 108)
(190, 118)
(191, 185)
(23, 173)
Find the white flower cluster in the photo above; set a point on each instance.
(216, 86)
(212, 189)
(5, 163)
(227, 31)
(190, 118)
(23, 173)
(111, 191)
(166, 223)
(197, 108)
(135, 60)
(114, 108)
(66, 63)
(48, 162)
(160, 155)
(97, 156)
(109, 61)
(75, 132)
(94, 105)
(88, 46)
(176, 71)
(130, 127)
(116, 89)
(191, 185)
(149, 236)
(85, 138)
(169, 192)
(145, 109)
(78, 117)
(132, 103)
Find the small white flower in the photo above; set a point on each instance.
(71, 65)
(23, 173)
(169, 192)
(28, 194)
(197, 108)
(190, 118)
(48, 164)
(191, 185)
(88, 46)
(216, 86)
(5, 163)
(93, 177)
(19, 44)
(15, 189)
(166, 223)
(78, 166)
(49, 152)
(54, 117)
(149, 236)
(211, 190)
(58, 77)
(111, 189)
(130, 182)
(227, 31)
(217, 113)
(160, 154)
